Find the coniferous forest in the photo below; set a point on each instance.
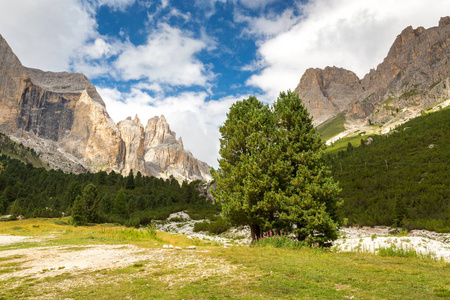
(94, 197)
(400, 179)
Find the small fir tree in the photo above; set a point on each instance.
(120, 204)
(78, 212)
(129, 181)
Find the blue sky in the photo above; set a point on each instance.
(190, 60)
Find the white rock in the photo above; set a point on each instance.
(165, 246)
(178, 248)
(179, 215)
(191, 247)
(171, 246)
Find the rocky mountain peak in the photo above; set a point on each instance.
(158, 132)
(327, 92)
(63, 118)
(414, 75)
(8, 60)
(444, 21)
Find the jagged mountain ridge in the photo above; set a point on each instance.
(414, 75)
(63, 118)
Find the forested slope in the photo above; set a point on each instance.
(20, 152)
(399, 179)
(132, 200)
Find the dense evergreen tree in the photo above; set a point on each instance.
(129, 181)
(272, 175)
(90, 201)
(16, 208)
(120, 204)
(78, 211)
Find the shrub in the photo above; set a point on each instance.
(278, 240)
(394, 251)
(218, 226)
(133, 222)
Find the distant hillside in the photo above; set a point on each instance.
(18, 151)
(401, 178)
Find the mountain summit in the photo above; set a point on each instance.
(64, 119)
(414, 76)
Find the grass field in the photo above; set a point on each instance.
(208, 272)
(341, 144)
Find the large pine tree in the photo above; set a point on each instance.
(271, 175)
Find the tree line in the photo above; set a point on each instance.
(95, 197)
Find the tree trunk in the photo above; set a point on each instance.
(255, 231)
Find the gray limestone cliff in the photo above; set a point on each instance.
(63, 118)
(414, 75)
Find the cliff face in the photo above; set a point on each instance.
(63, 117)
(414, 75)
(328, 92)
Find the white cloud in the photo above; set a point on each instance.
(164, 3)
(193, 119)
(352, 34)
(209, 6)
(253, 4)
(116, 4)
(266, 26)
(98, 49)
(45, 34)
(168, 57)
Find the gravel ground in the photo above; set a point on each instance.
(240, 235)
(363, 239)
(370, 239)
(13, 239)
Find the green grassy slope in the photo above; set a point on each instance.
(20, 152)
(332, 127)
(401, 178)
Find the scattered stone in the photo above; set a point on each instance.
(191, 247)
(170, 246)
(177, 248)
(179, 215)
(165, 247)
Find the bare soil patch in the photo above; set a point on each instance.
(42, 262)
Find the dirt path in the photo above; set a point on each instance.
(12, 239)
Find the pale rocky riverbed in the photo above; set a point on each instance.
(358, 239)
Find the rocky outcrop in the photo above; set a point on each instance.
(328, 92)
(156, 150)
(63, 118)
(414, 75)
